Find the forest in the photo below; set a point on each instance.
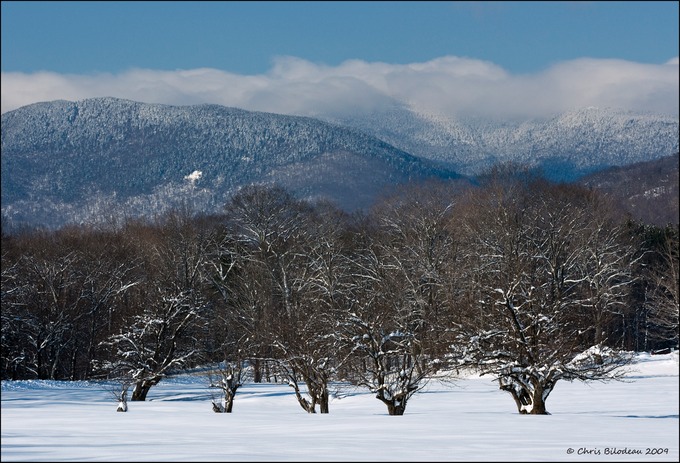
(520, 278)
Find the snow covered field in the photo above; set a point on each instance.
(470, 420)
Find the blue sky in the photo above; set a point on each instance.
(244, 37)
(72, 44)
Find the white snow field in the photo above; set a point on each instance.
(470, 420)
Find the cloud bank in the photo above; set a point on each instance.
(448, 85)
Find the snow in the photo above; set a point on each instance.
(469, 420)
(194, 176)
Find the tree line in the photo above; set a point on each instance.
(525, 280)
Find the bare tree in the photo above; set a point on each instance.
(306, 338)
(550, 268)
(157, 342)
(65, 287)
(119, 391)
(229, 377)
(398, 324)
(664, 294)
(51, 307)
(261, 222)
(275, 293)
(168, 308)
(388, 337)
(13, 352)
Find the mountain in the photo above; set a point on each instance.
(647, 190)
(564, 147)
(102, 158)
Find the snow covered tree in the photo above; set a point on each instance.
(51, 308)
(389, 329)
(120, 393)
(67, 293)
(12, 345)
(232, 343)
(420, 245)
(229, 377)
(159, 340)
(168, 307)
(663, 299)
(273, 293)
(107, 272)
(551, 267)
(60, 294)
(260, 221)
(306, 337)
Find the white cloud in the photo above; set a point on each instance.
(449, 85)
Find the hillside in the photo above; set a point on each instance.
(647, 190)
(565, 146)
(104, 158)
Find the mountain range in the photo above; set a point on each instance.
(563, 147)
(647, 190)
(103, 159)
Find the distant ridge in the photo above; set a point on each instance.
(564, 147)
(105, 158)
(648, 190)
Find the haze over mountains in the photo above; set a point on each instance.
(103, 159)
(564, 147)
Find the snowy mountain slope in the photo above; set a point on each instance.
(648, 190)
(565, 146)
(105, 158)
(64, 161)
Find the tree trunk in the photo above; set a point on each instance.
(142, 389)
(308, 406)
(257, 371)
(396, 408)
(521, 398)
(529, 402)
(538, 399)
(229, 404)
(74, 360)
(319, 393)
(39, 365)
(323, 403)
(229, 398)
(538, 407)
